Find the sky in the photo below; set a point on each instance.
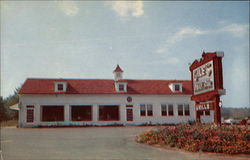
(149, 40)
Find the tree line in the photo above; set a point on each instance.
(5, 112)
(239, 113)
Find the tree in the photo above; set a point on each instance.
(9, 101)
(2, 110)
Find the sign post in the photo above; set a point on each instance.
(207, 84)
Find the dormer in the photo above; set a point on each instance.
(121, 86)
(118, 73)
(60, 86)
(175, 87)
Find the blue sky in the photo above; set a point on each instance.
(150, 40)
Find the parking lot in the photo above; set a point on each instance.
(90, 143)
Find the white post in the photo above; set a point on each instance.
(95, 112)
(37, 115)
(66, 113)
(22, 115)
(175, 107)
(123, 113)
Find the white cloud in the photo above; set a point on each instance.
(69, 8)
(178, 36)
(186, 32)
(236, 30)
(169, 60)
(128, 8)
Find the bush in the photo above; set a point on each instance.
(206, 138)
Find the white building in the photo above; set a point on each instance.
(79, 102)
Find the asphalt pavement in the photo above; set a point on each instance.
(90, 143)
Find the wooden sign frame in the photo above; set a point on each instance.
(207, 83)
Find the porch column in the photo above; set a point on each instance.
(95, 112)
(22, 115)
(37, 113)
(66, 113)
(123, 111)
(175, 107)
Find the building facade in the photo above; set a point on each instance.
(81, 102)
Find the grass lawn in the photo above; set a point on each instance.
(9, 123)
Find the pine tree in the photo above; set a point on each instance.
(2, 110)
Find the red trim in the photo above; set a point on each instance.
(53, 121)
(108, 120)
(83, 121)
(30, 106)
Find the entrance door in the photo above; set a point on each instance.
(129, 114)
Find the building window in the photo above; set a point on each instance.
(200, 113)
(167, 109)
(121, 87)
(146, 108)
(170, 110)
(109, 113)
(30, 114)
(180, 110)
(143, 109)
(52, 113)
(207, 112)
(149, 109)
(186, 109)
(163, 109)
(81, 113)
(60, 87)
(177, 87)
(183, 109)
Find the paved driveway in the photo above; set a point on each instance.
(93, 143)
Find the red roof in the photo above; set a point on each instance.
(118, 69)
(103, 86)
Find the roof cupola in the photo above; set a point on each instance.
(118, 73)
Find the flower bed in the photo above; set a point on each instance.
(206, 138)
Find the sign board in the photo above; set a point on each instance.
(207, 83)
(203, 78)
(204, 106)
